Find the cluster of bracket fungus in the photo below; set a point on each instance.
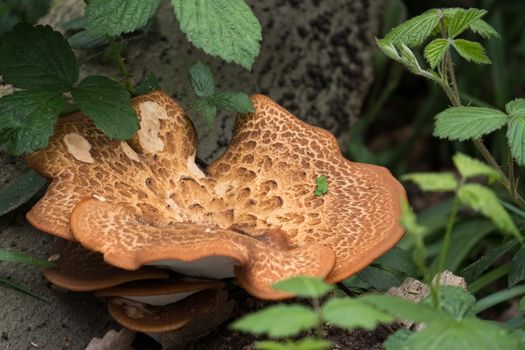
(145, 207)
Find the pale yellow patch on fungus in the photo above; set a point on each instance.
(133, 309)
(78, 147)
(193, 168)
(150, 115)
(100, 198)
(129, 152)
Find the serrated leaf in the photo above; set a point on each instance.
(207, 109)
(224, 28)
(517, 268)
(398, 259)
(114, 17)
(19, 191)
(435, 51)
(398, 340)
(433, 182)
(321, 186)
(350, 313)
(484, 29)
(293, 319)
(151, 83)
(516, 138)
(409, 221)
(303, 286)
(485, 201)
(37, 57)
(474, 270)
(457, 20)
(379, 279)
(108, 103)
(237, 102)
(201, 80)
(27, 119)
(303, 344)
(6, 255)
(470, 167)
(414, 31)
(388, 49)
(455, 301)
(466, 123)
(471, 51)
(409, 59)
(516, 107)
(405, 309)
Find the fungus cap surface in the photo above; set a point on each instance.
(255, 205)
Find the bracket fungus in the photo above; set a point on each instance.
(251, 214)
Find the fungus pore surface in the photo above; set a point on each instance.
(147, 202)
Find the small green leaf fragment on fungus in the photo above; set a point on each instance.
(321, 185)
(303, 286)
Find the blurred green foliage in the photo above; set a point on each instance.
(15, 11)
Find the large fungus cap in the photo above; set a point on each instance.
(146, 202)
(81, 270)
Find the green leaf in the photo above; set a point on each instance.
(207, 109)
(114, 17)
(379, 279)
(471, 51)
(351, 313)
(435, 51)
(20, 287)
(457, 20)
(303, 344)
(398, 259)
(516, 107)
(83, 40)
(27, 119)
(37, 57)
(6, 255)
(224, 28)
(321, 185)
(484, 29)
(474, 270)
(465, 123)
(293, 319)
(405, 309)
(233, 102)
(484, 200)
(455, 301)
(433, 182)
(108, 103)
(409, 221)
(517, 268)
(151, 83)
(201, 79)
(388, 49)
(302, 286)
(516, 138)
(414, 31)
(470, 167)
(398, 340)
(19, 191)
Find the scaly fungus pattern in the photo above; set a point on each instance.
(252, 213)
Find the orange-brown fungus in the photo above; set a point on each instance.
(255, 205)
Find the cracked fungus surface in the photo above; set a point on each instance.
(145, 200)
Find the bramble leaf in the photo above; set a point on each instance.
(516, 107)
(114, 17)
(433, 182)
(398, 340)
(398, 259)
(517, 268)
(151, 83)
(293, 319)
(207, 109)
(465, 123)
(414, 31)
(321, 186)
(351, 313)
(405, 309)
(19, 191)
(455, 301)
(303, 286)
(484, 29)
(516, 138)
(484, 200)
(303, 344)
(27, 119)
(108, 103)
(378, 278)
(470, 167)
(458, 19)
(224, 28)
(474, 270)
(471, 51)
(233, 102)
(37, 57)
(201, 80)
(435, 51)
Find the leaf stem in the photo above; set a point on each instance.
(448, 234)
(120, 63)
(498, 297)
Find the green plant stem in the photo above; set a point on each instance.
(317, 308)
(120, 63)
(488, 278)
(498, 297)
(448, 234)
